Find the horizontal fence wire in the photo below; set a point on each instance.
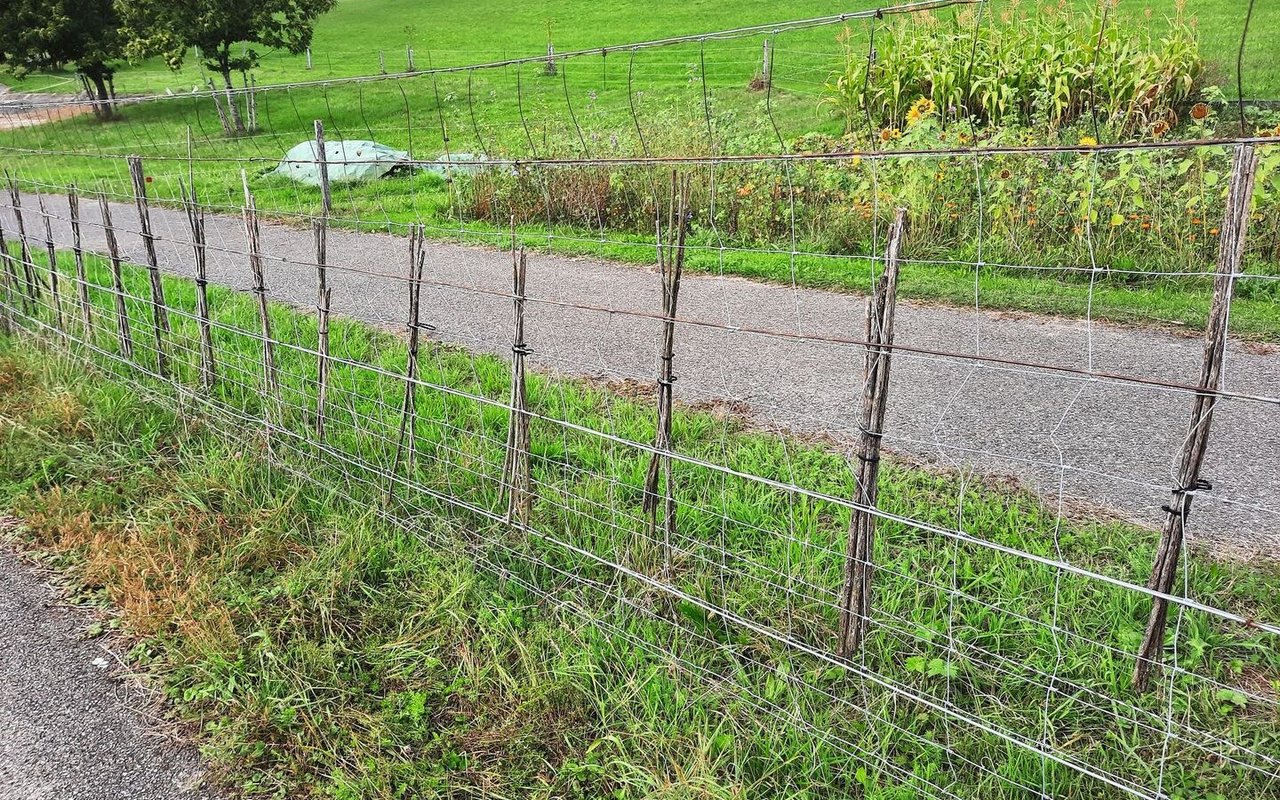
(595, 543)
(1007, 616)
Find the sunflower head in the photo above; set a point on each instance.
(920, 109)
(1199, 111)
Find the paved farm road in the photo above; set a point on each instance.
(68, 730)
(1109, 444)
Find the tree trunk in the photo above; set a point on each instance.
(101, 97)
(224, 66)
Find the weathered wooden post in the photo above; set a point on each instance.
(77, 251)
(413, 327)
(671, 255)
(320, 228)
(32, 297)
(516, 476)
(55, 294)
(1235, 224)
(10, 286)
(123, 332)
(258, 271)
(159, 312)
(859, 567)
(217, 105)
(195, 219)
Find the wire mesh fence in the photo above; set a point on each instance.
(691, 461)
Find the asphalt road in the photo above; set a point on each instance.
(1081, 440)
(67, 730)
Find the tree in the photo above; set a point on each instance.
(215, 27)
(47, 34)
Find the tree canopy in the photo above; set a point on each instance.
(48, 34)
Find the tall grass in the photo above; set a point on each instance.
(350, 659)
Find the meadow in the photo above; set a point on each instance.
(333, 618)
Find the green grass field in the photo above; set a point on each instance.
(449, 33)
(330, 629)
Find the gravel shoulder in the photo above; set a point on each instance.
(1079, 441)
(70, 730)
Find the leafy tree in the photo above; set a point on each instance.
(220, 29)
(47, 34)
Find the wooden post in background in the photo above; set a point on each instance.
(258, 271)
(859, 567)
(670, 266)
(123, 333)
(413, 326)
(324, 295)
(51, 250)
(77, 251)
(159, 312)
(1164, 572)
(217, 104)
(516, 476)
(195, 219)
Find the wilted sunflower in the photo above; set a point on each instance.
(1159, 129)
(920, 109)
(889, 134)
(1199, 111)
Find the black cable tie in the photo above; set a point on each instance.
(868, 459)
(667, 381)
(521, 349)
(1173, 511)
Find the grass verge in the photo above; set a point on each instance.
(332, 629)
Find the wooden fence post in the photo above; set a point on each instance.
(55, 296)
(217, 104)
(13, 284)
(859, 567)
(117, 279)
(320, 227)
(195, 219)
(159, 312)
(77, 250)
(670, 265)
(1231, 244)
(10, 278)
(409, 410)
(257, 268)
(516, 475)
(32, 297)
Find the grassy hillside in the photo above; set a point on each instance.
(451, 32)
